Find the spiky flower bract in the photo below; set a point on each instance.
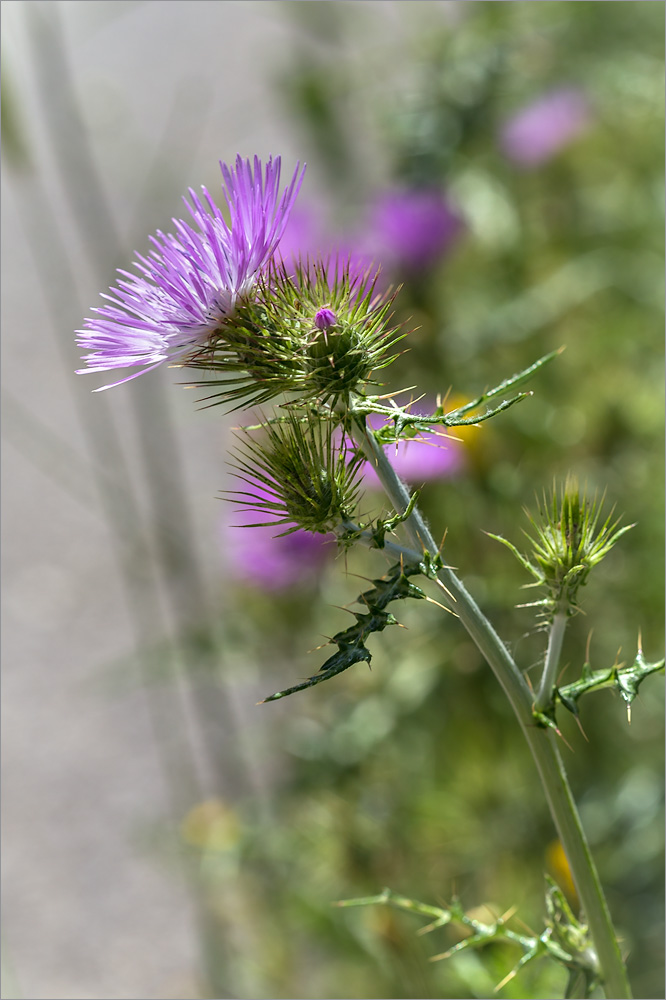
(299, 474)
(191, 282)
(319, 332)
(566, 544)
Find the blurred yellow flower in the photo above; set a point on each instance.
(211, 826)
(556, 861)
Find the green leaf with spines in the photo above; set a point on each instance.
(395, 586)
(402, 423)
(382, 528)
(626, 680)
(563, 939)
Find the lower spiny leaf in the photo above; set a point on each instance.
(395, 586)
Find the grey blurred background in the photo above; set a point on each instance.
(154, 94)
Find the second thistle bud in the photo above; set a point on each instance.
(299, 475)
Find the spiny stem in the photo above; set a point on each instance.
(541, 742)
(366, 537)
(464, 605)
(557, 630)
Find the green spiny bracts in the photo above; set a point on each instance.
(256, 353)
(298, 474)
(566, 544)
(344, 326)
(395, 586)
(306, 334)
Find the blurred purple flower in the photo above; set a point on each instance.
(254, 553)
(307, 237)
(190, 282)
(429, 456)
(411, 230)
(301, 237)
(544, 127)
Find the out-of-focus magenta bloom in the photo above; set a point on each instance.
(426, 457)
(411, 230)
(302, 237)
(254, 553)
(307, 237)
(189, 283)
(402, 230)
(544, 127)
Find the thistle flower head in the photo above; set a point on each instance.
(566, 544)
(298, 474)
(320, 332)
(191, 282)
(346, 327)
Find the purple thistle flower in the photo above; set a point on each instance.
(189, 283)
(544, 127)
(412, 229)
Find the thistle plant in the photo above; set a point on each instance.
(314, 340)
(565, 547)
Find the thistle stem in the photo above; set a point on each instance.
(541, 742)
(545, 692)
(410, 556)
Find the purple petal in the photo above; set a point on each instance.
(189, 282)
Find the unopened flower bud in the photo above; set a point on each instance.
(325, 318)
(300, 476)
(567, 543)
